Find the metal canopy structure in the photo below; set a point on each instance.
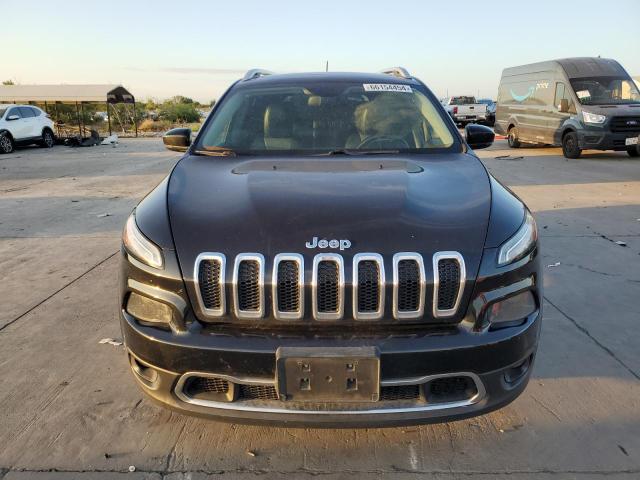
(69, 94)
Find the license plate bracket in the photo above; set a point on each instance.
(343, 374)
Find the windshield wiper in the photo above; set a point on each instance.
(216, 152)
(347, 151)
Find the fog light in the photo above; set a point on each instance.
(148, 311)
(512, 311)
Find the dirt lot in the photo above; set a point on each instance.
(69, 408)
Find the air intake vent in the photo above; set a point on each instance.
(288, 286)
(210, 280)
(449, 278)
(368, 286)
(408, 285)
(328, 287)
(248, 285)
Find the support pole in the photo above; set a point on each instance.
(135, 124)
(82, 118)
(78, 118)
(109, 118)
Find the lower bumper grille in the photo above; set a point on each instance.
(438, 392)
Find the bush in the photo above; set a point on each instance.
(179, 112)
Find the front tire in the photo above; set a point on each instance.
(48, 140)
(570, 147)
(633, 151)
(6, 143)
(512, 138)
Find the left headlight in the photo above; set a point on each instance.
(140, 246)
(593, 117)
(521, 243)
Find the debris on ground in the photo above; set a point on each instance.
(132, 468)
(102, 215)
(557, 264)
(508, 157)
(250, 453)
(111, 341)
(110, 140)
(622, 244)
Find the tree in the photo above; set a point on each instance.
(8, 82)
(212, 103)
(179, 112)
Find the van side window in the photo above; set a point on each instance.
(563, 94)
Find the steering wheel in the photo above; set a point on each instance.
(383, 142)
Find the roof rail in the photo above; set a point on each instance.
(256, 73)
(397, 72)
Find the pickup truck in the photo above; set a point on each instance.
(465, 109)
(330, 251)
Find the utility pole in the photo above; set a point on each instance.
(326, 67)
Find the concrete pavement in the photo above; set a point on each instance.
(69, 408)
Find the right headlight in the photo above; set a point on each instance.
(521, 243)
(140, 246)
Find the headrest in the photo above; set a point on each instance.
(277, 123)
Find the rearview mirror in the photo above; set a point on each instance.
(478, 136)
(564, 105)
(13, 117)
(178, 139)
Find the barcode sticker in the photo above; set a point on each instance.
(386, 87)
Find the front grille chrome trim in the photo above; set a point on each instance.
(327, 257)
(248, 314)
(437, 257)
(242, 406)
(299, 260)
(219, 257)
(377, 258)
(406, 314)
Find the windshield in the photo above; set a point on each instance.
(326, 117)
(605, 91)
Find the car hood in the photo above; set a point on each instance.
(614, 110)
(385, 205)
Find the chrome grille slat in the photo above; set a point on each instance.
(328, 287)
(409, 284)
(368, 286)
(209, 277)
(288, 286)
(248, 285)
(449, 276)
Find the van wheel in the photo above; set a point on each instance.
(633, 151)
(6, 143)
(512, 138)
(570, 147)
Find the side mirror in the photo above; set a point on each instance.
(478, 136)
(13, 117)
(178, 139)
(564, 105)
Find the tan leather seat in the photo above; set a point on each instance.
(278, 128)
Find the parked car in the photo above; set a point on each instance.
(24, 125)
(466, 109)
(491, 111)
(579, 103)
(330, 251)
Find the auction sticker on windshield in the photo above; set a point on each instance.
(386, 87)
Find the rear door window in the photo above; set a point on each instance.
(26, 112)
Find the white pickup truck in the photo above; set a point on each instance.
(465, 109)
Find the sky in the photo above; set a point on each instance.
(197, 49)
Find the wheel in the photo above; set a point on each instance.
(48, 139)
(512, 138)
(570, 147)
(6, 143)
(633, 151)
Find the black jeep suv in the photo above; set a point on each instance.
(330, 252)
